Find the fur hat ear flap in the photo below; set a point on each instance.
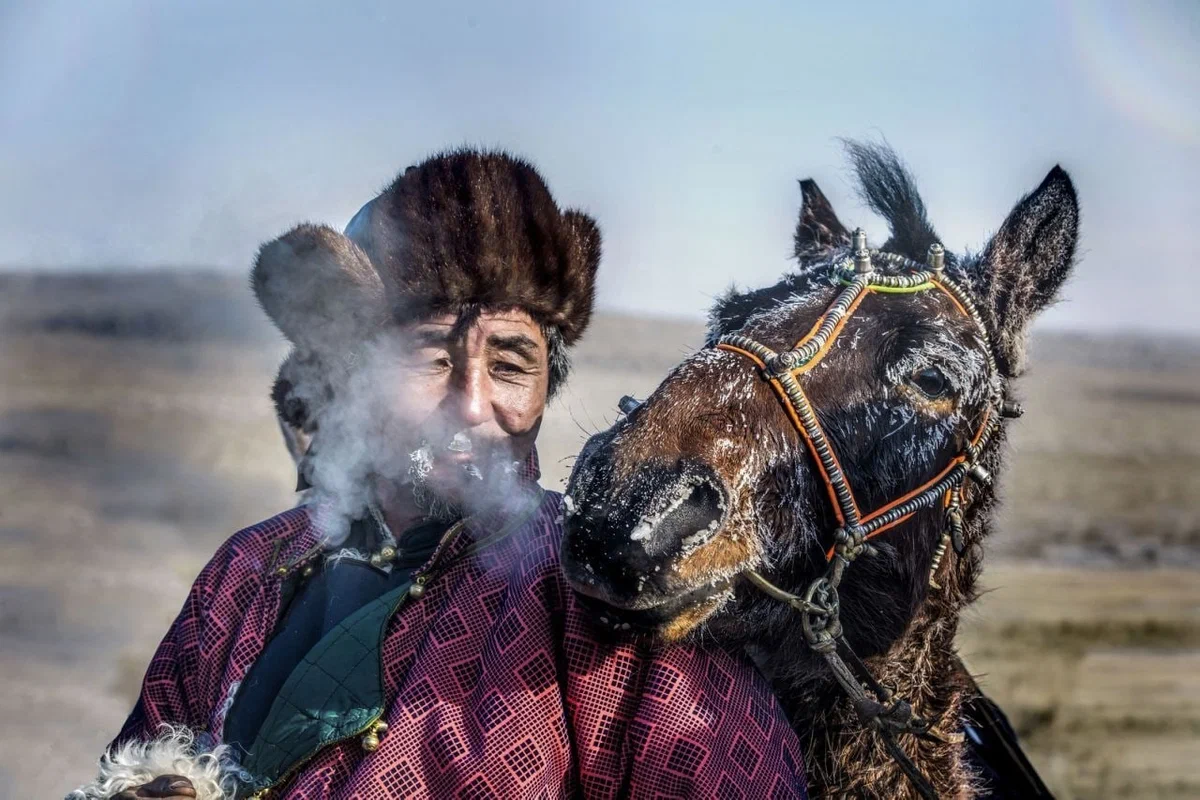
(301, 390)
(300, 393)
(579, 278)
(319, 288)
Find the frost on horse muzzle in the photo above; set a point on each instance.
(625, 546)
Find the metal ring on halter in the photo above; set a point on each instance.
(822, 628)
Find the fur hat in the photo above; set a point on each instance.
(462, 228)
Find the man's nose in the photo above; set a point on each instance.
(474, 396)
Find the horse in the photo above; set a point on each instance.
(813, 487)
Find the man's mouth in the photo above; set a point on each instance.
(461, 443)
(458, 451)
(463, 460)
(462, 456)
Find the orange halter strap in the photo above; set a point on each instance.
(783, 371)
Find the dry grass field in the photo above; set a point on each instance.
(136, 434)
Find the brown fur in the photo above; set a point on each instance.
(715, 412)
(482, 228)
(721, 555)
(319, 288)
(463, 228)
(685, 624)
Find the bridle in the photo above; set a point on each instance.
(818, 607)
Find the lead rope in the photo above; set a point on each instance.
(875, 705)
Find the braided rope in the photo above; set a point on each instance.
(833, 318)
(830, 467)
(923, 500)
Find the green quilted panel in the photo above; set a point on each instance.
(331, 694)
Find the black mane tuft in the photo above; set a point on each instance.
(886, 185)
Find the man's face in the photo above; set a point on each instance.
(474, 402)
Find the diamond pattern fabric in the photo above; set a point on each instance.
(494, 685)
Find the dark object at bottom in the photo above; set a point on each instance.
(994, 751)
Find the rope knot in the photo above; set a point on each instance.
(784, 362)
(823, 643)
(898, 717)
(850, 544)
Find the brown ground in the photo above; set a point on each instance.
(135, 435)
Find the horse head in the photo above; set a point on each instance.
(712, 479)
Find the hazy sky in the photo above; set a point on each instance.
(170, 132)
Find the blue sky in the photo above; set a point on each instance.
(185, 133)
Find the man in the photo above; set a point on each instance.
(408, 633)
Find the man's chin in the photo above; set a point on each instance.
(435, 503)
(450, 490)
(455, 480)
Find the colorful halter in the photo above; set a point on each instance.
(819, 605)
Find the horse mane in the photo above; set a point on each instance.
(888, 188)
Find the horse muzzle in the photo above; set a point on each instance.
(626, 546)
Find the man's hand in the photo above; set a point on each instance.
(164, 787)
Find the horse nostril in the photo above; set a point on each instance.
(685, 525)
(622, 546)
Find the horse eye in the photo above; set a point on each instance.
(931, 382)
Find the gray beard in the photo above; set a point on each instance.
(430, 503)
(433, 506)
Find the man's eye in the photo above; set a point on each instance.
(508, 369)
(931, 382)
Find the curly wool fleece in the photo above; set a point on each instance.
(174, 752)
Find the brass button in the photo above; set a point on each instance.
(370, 742)
(415, 591)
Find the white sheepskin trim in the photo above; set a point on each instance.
(212, 773)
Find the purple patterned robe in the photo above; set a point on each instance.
(495, 683)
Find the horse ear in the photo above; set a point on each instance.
(818, 228)
(1026, 262)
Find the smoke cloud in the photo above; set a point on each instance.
(379, 441)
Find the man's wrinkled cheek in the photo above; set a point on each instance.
(523, 429)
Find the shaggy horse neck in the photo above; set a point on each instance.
(846, 758)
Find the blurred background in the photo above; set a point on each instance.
(149, 147)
